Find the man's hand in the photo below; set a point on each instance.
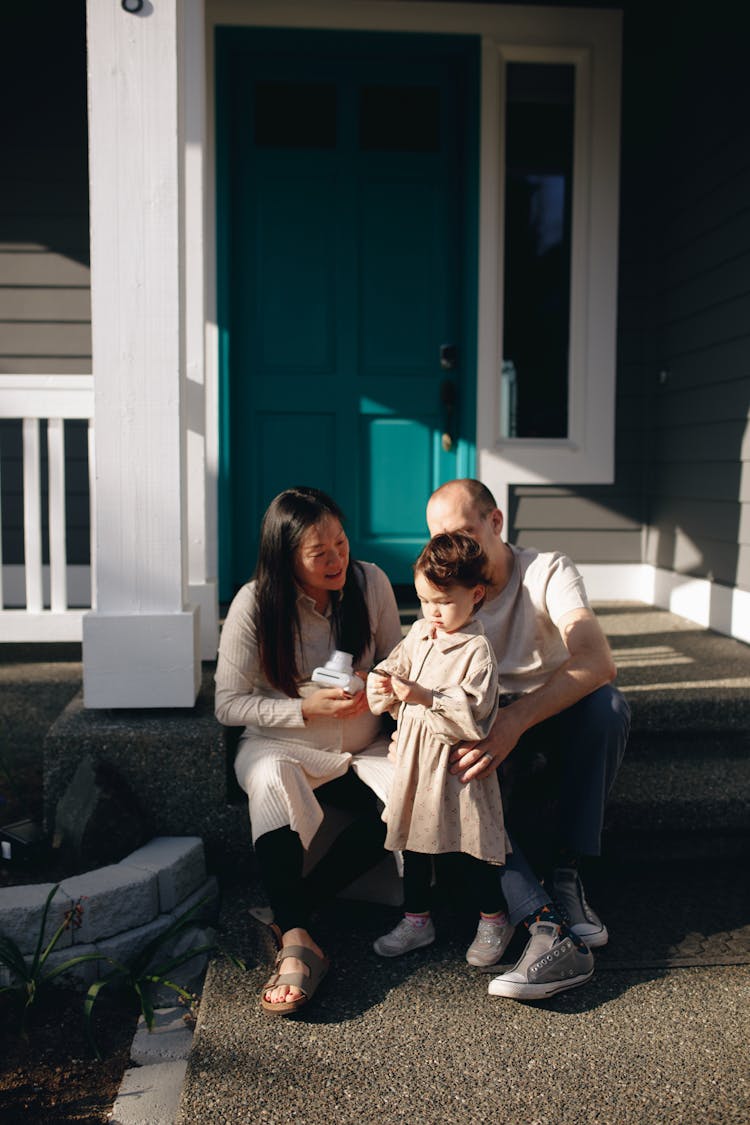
(588, 667)
(480, 759)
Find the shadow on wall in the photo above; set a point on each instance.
(44, 224)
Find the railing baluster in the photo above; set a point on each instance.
(2, 596)
(92, 514)
(29, 400)
(57, 552)
(32, 516)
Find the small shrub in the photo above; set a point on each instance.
(141, 974)
(31, 976)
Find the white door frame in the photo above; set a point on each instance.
(591, 40)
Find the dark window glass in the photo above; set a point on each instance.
(538, 192)
(295, 115)
(399, 118)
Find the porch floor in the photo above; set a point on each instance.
(661, 1034)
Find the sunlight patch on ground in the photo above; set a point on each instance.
(650, 656)
(689, 685)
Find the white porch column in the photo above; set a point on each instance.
(202, 516)
(140, 643)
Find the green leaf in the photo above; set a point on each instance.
(164, 983)
(147, 1007)
(40, 938)
(12, 958)
(149, 951)
(71, 964)
(88, 1007)
(181, 959)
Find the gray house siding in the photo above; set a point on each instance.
(45, 304)
(699, 481)
(45, 300)
(683, 434)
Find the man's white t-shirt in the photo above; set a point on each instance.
(521, 622)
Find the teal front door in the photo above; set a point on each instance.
(347, 245)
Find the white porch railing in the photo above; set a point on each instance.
(39, 609)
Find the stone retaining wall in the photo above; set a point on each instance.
(124, 906)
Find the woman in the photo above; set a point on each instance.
(304, 744)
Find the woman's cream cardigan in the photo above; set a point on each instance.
(281, 758)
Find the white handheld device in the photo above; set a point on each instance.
(338, 672)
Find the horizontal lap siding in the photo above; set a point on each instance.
(45, 302)
(45, 299)
(683, 391)
(699, 486)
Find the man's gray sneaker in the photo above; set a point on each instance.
(568, 895)
(405, 937)
(490, 942)
(549, 964)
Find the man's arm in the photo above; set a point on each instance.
(589, 666)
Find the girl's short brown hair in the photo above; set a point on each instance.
(453, 559)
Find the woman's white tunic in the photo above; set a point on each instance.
(281, 758)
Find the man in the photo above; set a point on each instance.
(555, 671)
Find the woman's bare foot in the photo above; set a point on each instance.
(285, 993)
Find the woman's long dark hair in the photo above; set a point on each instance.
(287, 518)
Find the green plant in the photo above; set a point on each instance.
(32, 975)
(141, 974)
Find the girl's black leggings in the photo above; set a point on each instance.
(479, 881)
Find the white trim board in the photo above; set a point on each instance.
(725, 609)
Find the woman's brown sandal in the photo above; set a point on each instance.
(271, 931)
(306, 983)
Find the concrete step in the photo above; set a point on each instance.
(684, 786)
(684, 780)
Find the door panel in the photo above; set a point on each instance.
(401, 277)
(296, 223)
(302, 459)
(399, 452)
(345, 219)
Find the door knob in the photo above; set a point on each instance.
(448, 357)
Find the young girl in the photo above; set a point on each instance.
(441, 684)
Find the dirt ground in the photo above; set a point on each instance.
(50, 1075)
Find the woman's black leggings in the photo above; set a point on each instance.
(359, 847)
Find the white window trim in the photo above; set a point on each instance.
(587, 454)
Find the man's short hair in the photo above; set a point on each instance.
(479, 494)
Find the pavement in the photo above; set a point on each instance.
(660, 1034)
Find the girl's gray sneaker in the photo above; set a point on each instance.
(404, 937)
(490, 942)
(549, 964)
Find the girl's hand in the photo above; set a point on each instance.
(380, 683)
(409, 691)
(333, 703)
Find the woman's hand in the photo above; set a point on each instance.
(409, 691)
(333, 703)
